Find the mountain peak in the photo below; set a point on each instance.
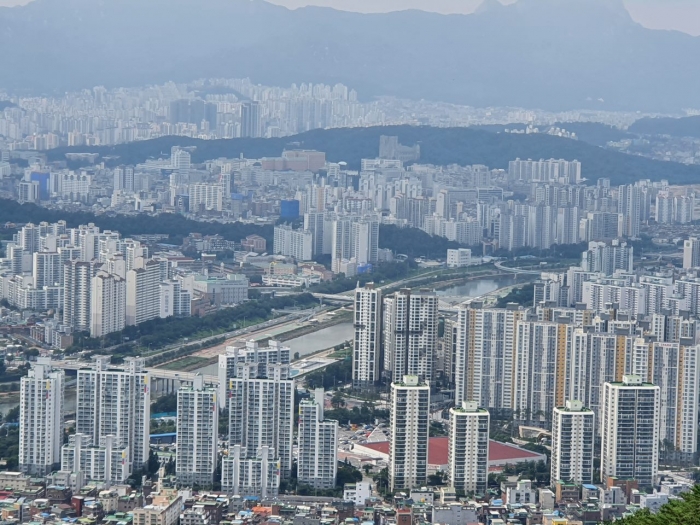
(603, 8)
(489, 6)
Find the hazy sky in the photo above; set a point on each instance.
(682, 15)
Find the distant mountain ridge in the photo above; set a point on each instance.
(550, 54)
(676, 127)
(440, 146)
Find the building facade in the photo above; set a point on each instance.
(468, 453)
(573, 436)
(408, 442)
(367, 344)
(41, 418)
(630, 433)
(317, 462)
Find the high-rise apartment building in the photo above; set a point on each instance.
(293, 243)
(41, 418)
(116, 401)
(630, 203)
(410, 333)
(691, 253)
(630, 431)
(354, 237)
(573, 436)
(275, 353)
(484, 354)
(197, 435)
(675, 369)
(251, 120)
(260, 419)
(77, 293)
(367, 345)
(535, 352)
(102, 463)
(317, 462)
(108, 304)
(606, 258)
(408, 442)
(143, 291)
(468, 453)
(256, 474)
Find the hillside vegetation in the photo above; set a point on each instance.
(440, 146)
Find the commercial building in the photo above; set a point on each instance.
(459, 258)
(317, 462)
(218, 290)
(573, 436)
(469, 448)
(408, 442)
(630, 431)
(41, 418)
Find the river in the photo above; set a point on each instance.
(479, 287)
(333, 335)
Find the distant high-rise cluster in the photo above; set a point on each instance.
(99, 282)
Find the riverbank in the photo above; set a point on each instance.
(194, 362)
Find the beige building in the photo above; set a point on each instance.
(163, 510)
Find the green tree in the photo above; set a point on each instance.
(13, 415)
(338, 400)
(153, 464)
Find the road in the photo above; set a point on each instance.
(500, 266)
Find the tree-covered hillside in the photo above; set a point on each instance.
(683, 512)
(441, 146)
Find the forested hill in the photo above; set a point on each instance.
(441, 146)
(175, 226)
(676, 127)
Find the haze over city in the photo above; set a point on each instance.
(372, 265)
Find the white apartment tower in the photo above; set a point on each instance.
(143, 292)
(691, 253)
(260, 417)
(293, 243)
(255, 475)
(408, 442)
(116, 401)
(573, 435)
(368, 327)
(275, 353)
(197, 435)
(410, 333)
(41, 418)
(630, 433)
(108, 302)
(77, 291)
(468, 453)
(103, 463)
(318, 444)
